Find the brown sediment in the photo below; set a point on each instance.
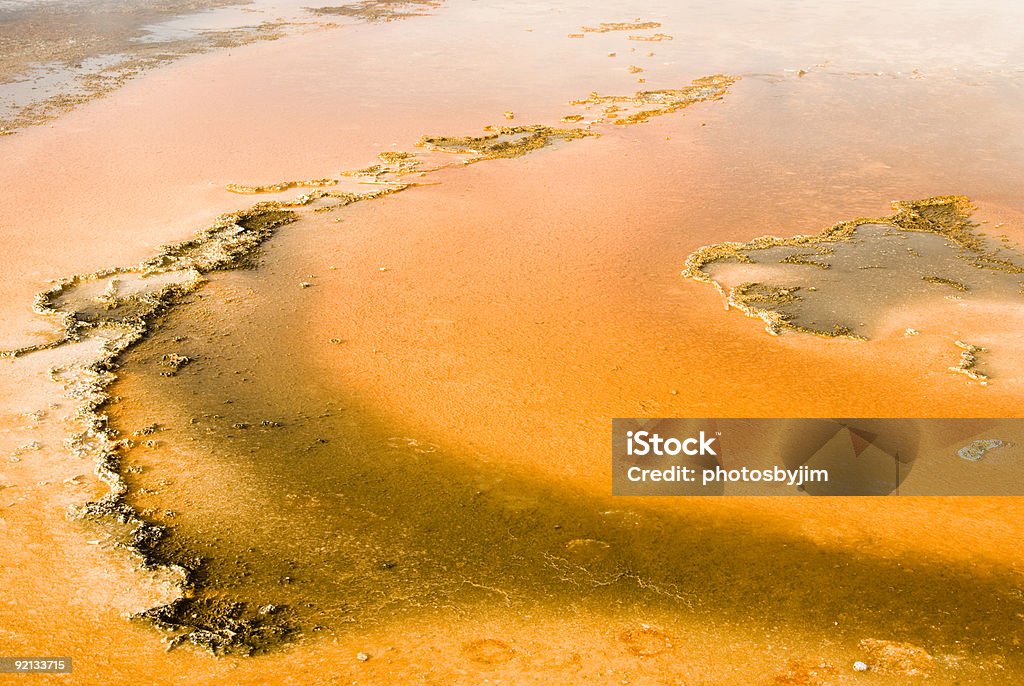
(300, 200)
(221, 625)
(381, 10)
(605, 27)
(279, 187)
(764, 301)
(391, 163)
(976, 449)
(506, 142)
(656, 38)
(960, 250)
(174, 362)
(808, 258)
(941, 281)
(656, 103)
(388, 172)
(970, 362)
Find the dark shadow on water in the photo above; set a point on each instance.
(295, 496)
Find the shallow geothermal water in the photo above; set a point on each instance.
(372, 414)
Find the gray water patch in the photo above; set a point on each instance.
(854, 284)
(58, 55)
(855, 278)
(49, 80)
(248, 16)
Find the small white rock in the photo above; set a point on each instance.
(362, 657)
(860, 666)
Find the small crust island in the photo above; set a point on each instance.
(850, 278)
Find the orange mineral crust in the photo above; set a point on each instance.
(312, 345)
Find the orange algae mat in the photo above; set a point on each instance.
(386, 438)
